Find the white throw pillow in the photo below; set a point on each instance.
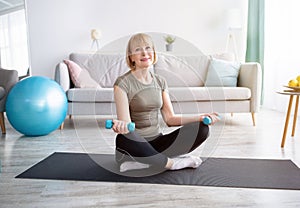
(222, 73)
(182, 71)
(106, 68)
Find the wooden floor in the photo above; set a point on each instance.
(234, 137)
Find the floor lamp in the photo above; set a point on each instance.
(234, 23)
(231, 39)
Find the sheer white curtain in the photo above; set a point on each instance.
(13, 42)
(282, 50)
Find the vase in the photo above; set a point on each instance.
(169, 47)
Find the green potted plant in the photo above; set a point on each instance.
(169, 42)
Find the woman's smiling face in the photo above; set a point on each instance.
(142, 55)
(140, 52)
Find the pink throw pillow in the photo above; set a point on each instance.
(80, 76)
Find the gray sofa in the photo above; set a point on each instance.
(187, 80)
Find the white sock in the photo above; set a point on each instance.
(185, 162)
(132, 165)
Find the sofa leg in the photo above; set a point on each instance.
(253, 118)
(2, 124)
(61, 127)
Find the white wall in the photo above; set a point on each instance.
(59, 27)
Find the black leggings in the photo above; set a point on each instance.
(155, 151)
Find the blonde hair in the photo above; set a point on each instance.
(139, 39)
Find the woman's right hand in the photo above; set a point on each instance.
(120, 127)
(215, 117)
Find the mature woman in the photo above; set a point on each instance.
(139, 96)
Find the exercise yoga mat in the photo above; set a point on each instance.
(219, 172)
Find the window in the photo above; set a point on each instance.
(13, 42)
(282, 43)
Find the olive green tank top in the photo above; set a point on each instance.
(145, 102)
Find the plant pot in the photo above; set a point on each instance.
(169, 47)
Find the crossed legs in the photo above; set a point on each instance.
(156, 151)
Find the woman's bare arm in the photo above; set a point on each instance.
(172, 119)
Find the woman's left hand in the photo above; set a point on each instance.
(120, 127)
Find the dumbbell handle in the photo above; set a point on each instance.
(207, 120)
(109, 124)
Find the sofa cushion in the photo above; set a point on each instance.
(180, 94)
(80, 76)
(223, 56)
(182, 71)
(222, 73)
(208, 93)
(90, 95)
(105, 68)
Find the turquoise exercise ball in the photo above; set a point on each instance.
(36, 106)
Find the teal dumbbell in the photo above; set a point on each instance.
(130, 126)
(207, 120)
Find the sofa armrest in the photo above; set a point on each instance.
(251, 76)
(62, 76)
(8, 78)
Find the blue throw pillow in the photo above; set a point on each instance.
(222, 73)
